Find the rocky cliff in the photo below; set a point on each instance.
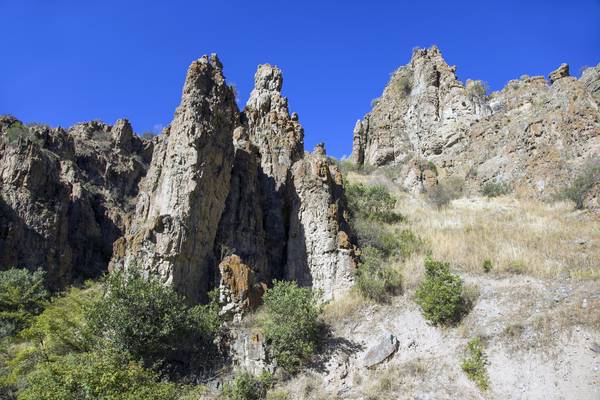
(66, 195)
(534, 134)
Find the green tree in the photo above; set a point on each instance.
(474, 364)
(22, 295)
(291, 326)
(98, 375)
(150, 321)
(440, 294)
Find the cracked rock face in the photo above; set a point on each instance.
(66, 195)
(279, 139)
(183, 195)
(532, 135)
(320, 253)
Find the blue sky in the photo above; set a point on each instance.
(70, 61)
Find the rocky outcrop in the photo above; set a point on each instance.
(558, 73)
(238, 288)
(532, 135)
(183, 195)
(320, 253)
(279, 138)
(590, 78)
(220, 199)
(66, 195)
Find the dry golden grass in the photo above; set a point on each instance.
(343, 307)
(518, 236)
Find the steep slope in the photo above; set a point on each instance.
(533, 134)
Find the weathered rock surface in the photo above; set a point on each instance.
(558, 73)
(238, 287)
(381, 351)
(183, 195)
(532, 135)
(220, 199)
(320, 253)
(279, 138)
(66, 195)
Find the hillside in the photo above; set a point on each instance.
(455, 255)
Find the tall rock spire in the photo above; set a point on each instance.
(279, 138)
(183, 195)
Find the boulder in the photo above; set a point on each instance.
(383, 350)
(560, 72)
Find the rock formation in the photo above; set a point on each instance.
(66, 195)
(320, 253)
(531, 134)
(183, 195)
(230, 200)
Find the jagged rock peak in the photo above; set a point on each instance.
(268, 77)
(202, 74)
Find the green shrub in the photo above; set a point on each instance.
(59, 330)
(495, 189)
(291, 325)
(402, 86)
(445, 191)
(478, 89)
(440, 294)
(22, 295)
(376, 279)
(98, 375)
(487, 265)
(474, 364)
(153, 323)
(578, 190)
(372, 202)
(246, 386)
(18, 134)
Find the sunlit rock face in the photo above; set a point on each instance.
(183, 195)
(534, 134)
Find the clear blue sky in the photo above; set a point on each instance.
(64, 62)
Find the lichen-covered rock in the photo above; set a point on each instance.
(319, 253)
(183, 195)
(66, 195)
(239, 291)
(531, 135)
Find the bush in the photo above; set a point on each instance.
(150, 321)
(478, 89)
(99, 375)
(474, 364)
(59, 330)
(291, 326)
(376, 279)
(440, 294)
(578, 190)
(246, 386)
(372, 202)
(18, 134)
(22, 295)
(445, 191)
(487, 265)
(402, 86)
(495, 189)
